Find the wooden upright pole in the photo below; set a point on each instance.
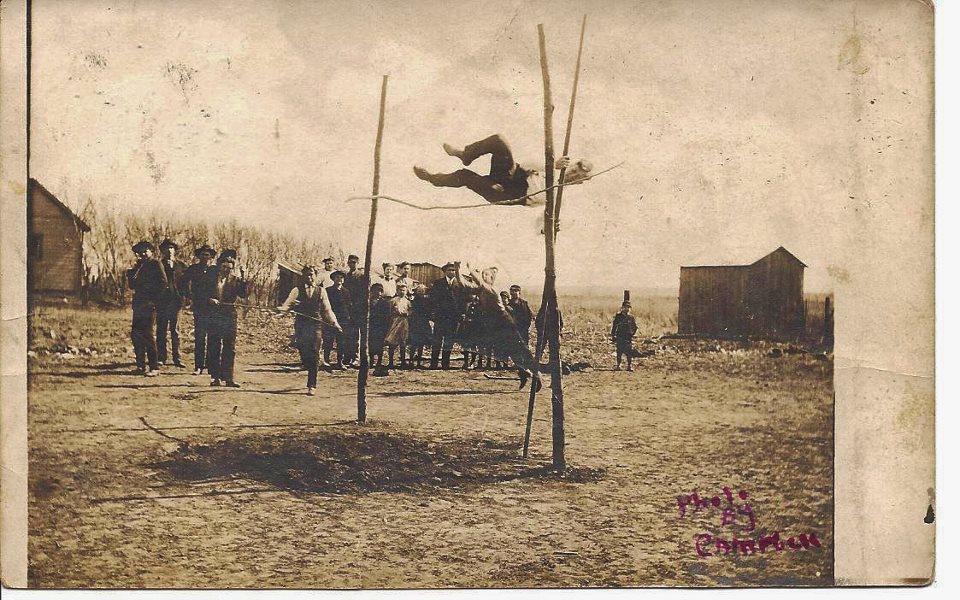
(573, 103)
(367, 259)
(551, 316)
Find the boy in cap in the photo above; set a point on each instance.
(195, 284)
(168, 311)
(225, 290)
(520, 309)
(340, 302)
(622, 333)
(148, 282)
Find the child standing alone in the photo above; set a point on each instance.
(622, 333)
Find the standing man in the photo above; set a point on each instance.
(388, 281)
(340, 301)
(403, 277)
(171, 301)
(326, 275)
(148, 282)
(355, 284)
(312, 310)
(446, 294)
(195, 284)
(522, 314)
(225, 290)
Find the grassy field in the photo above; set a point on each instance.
(167, 482)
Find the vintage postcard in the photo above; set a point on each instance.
(490, 294)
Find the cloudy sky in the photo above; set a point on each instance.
(743, 124)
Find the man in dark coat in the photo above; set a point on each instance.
(520, 310)
(171, 301)
(622, 332)
(340, 302)
(446, 295)
(224, 289)
(195, 284)
(148, 282)
(355, 283)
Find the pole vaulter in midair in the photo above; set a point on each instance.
(506, 184)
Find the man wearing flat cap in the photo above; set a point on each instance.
(148, 282)
(447, 297)
(195, 285)
(171, 301)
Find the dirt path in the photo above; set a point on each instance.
(681, 423)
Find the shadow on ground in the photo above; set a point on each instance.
(358, 460)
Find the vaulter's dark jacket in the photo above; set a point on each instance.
(148, 281)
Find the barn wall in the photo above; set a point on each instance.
(287, 279)
(59, 266)
(712, 300)
(425, 273)
(776, 298)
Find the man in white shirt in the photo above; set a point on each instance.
(312, 310)
(388, 281)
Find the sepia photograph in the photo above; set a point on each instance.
(492, 294)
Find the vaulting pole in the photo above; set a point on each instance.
(551, 320)
(367, 259)
(573, 103)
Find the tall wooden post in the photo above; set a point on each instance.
(549, 304)
(551, 318)
(573, 103)
(367, 260)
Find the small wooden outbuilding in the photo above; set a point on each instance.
(54, 243)
(763, 299)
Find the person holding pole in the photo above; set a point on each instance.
(313, 311)
(225, 290)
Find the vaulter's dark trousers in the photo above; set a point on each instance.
(141, 333)
(168, 316)
(501, 172)
(309, 340)
(222, 350)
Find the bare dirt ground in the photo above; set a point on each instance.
(266, 487)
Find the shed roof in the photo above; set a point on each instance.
(56, 201)
(741, 257)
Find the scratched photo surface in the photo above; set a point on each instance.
(723, 149)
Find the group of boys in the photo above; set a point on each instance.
(163, 286)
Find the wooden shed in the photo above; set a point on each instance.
(54, 243)
(762, 299)
(425, 273)
(288, 278)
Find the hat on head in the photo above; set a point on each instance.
(168, 243)
(515, 287)
(143, 245)
(228, 254)
(204, 249)
(327, 259)
(353, 257)
(337, 275)
(449, 265)
(626, 304)
(307, 269)
(403, 264)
